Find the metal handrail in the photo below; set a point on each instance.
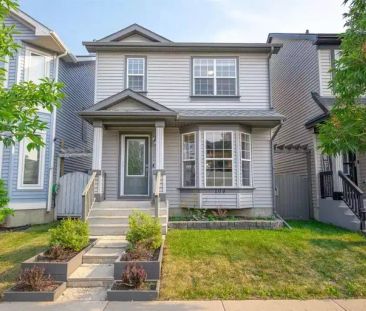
(353, 196)
(88, 196)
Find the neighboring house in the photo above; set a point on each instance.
(300, 74)
(200, 113)
(29, 175)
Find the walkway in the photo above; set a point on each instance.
(245, 305)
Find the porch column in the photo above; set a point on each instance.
(97, 158)
(337, 163)
(159, 149)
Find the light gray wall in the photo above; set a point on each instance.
(294, 75)
(169, 80)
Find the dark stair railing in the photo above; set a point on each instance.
(353, 197)
(326, 184)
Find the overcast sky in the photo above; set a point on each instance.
(185, 20)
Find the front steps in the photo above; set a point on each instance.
(97, 268)
(110, 218)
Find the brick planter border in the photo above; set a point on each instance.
(11, 295)
(59, 271)
(152, 268)
(227, 224)
(134, 294)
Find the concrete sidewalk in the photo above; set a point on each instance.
(225, 305)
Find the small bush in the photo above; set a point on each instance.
(139, 252)
(134, 276)
(144, 229)
(220, 213)
(33, 279)
(56, 252)
(70, 234)
(4, 200)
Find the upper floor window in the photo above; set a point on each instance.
(37, 66)
(215, 77)
(136, 74)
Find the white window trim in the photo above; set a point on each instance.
(28, 52)
(21, 155)
(137, 75)
(6, 76)
(127, 147)
(232, 158)
(1, 156)
(248, 160)
(214, 77)
(195, 159)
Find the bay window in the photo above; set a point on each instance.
(189, 159)
(135, 78)
(218, 159)
(31, 166)
(215, 77)
(245, 159)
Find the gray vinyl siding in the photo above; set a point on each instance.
(259, 197)
(325, 64)
(169, 80)
(78, 79)
(294, 75)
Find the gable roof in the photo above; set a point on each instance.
(125, 94)
(131, 30)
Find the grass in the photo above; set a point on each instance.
(16, 247)
(311, 261)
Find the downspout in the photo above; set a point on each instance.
(53, 137)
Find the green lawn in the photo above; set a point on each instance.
(17, 246)
(311, 261)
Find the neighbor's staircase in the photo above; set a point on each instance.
(111, 217)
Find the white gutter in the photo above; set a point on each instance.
(53, 136)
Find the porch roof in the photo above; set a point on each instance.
(108, 109)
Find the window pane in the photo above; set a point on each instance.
(189, 147)
(225, 68)
(136, 83)
(37, 67)
(31, 166)
(204, 86)
(203, 67)
(245, 146)
(226, 86)
(189, 173)
(218, 155)
(136, 66)
(245, 173)
(136, 157)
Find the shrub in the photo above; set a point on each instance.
(33, 279)
(70, 234)
(144, 229)
(220, 213)
(139, 252)
(4, 200)
(134, 276)
(56, 252)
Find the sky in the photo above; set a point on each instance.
(185, 20)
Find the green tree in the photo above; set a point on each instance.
(19, 105)
(345, 130)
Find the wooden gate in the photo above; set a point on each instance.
(68, 198)
(292, 196)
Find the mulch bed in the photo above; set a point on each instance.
(49, 287)
(154, 257)
(45, 257)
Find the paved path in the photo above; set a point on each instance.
(244, 305)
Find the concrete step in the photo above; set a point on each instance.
(102, 255)
(114, 220)
(124, 204)
(111, 242)
(107, 229)
(91, 275)
(115, 211)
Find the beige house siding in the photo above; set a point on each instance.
(325, 63)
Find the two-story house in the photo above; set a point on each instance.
(300, 76)
(195, 116)
(30, 175)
